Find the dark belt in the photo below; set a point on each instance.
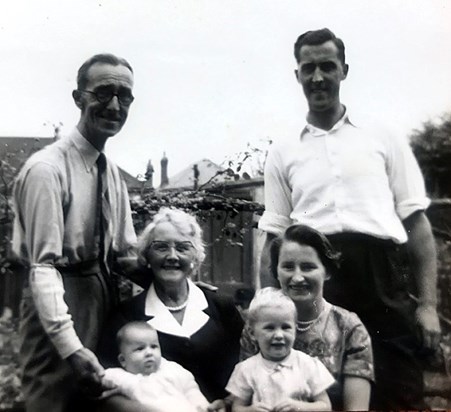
(360, 237)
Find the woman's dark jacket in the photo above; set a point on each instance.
(210, 354)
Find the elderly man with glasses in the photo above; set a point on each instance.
(73, 221)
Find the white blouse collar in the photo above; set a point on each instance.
(163, 321)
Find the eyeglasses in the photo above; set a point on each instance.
(163, 247)
(105, 96)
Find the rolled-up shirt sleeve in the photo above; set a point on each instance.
(47, 290)
(278, 202)
(38, 192)
(406, 179)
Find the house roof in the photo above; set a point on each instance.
(185, 179)
(18, 149)
(133, 184)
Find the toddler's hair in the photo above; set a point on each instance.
(122, 334)
(272, 298)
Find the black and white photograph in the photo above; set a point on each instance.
(217, 206)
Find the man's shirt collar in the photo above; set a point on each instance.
(87, 151)
(317, 132)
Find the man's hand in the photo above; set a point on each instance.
(428, 326)
(129, 267)
(423, 261)
(109, 389)
(88, 371)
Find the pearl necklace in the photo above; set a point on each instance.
(177, 308)
(307, 324)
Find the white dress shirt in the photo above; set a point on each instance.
(298, 376)
(347, 179)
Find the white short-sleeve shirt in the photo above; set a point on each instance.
(298, 376)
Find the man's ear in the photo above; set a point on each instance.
(121, 360)
(296, 73)
(345, 71)
(76, 94)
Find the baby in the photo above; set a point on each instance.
(278, 378)
(150, 379)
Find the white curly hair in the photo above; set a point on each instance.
(185, 223)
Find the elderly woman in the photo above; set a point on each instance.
(197, 328)
(302, 260)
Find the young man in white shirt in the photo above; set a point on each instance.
(362, 187)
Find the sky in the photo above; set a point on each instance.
(214, 75)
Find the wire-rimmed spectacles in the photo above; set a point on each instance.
(163, 247)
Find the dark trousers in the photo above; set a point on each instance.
(11, 285)
(374, 282)
(48, 383)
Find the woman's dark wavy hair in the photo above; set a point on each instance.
(305, 235)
